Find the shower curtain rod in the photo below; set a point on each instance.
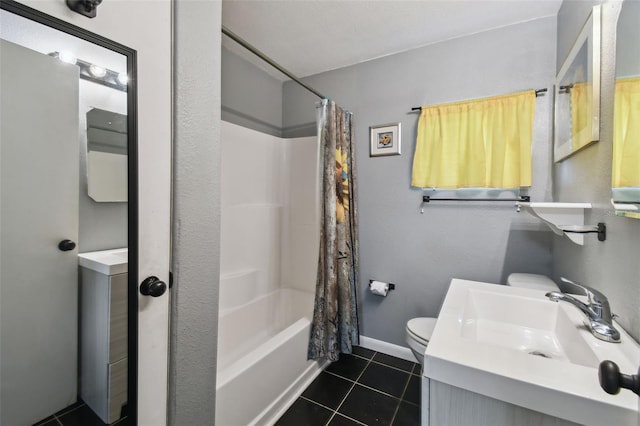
(268, 60)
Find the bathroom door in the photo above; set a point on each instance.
(39, 199)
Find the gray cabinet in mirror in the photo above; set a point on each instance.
(577, 92)
(625, 179)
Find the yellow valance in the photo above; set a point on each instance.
(626, 133)
(581, 115)
(479, 143)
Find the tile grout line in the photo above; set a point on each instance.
(350, 418)
(330, 409)
(353, 385)
(368, 387)
(355, 382)
(383, 364)
(406, 386)
(387, 365)
(66, 411)
(318, 404)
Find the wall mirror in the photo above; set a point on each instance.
(626, 129)
(577, 92)
(107, 154)
(68, 349)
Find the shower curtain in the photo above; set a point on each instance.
(334, 327)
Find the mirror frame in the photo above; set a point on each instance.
(132, 185)
(591, 35)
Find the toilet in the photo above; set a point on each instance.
(419, 330)
(418, 333)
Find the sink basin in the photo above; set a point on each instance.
(515, 345)
(497, 319)
(108, 262)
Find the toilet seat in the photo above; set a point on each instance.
(421, 329)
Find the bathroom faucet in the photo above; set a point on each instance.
(597, 311)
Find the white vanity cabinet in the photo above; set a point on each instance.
(103, 335)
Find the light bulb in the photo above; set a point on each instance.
(97, 71)
(123, 79)
(67, 57)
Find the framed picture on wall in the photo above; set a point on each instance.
(385, 140)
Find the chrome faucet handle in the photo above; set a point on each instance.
(594, 296)
(597, 311)
(598, 302)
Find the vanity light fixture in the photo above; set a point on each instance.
(96, 73)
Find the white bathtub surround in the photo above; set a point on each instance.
(270, 208)
(270, 234)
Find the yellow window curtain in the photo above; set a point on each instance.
(479, 143)
(581, 114)
(626, 133)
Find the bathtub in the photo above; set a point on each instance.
(262, 354)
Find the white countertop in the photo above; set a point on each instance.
(108, 262)
(469, 350)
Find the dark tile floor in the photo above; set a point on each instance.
(366, 388)
(79, 414)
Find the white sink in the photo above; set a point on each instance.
(515, 345)
(509, 321)
(108, 262)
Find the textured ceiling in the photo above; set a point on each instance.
(312, 36)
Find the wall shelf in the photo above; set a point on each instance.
(565, 219)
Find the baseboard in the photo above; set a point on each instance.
(387, 348)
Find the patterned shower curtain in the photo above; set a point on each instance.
(334, 329)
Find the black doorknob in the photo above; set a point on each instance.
(152, 286)
(66, 245)
(611, 380)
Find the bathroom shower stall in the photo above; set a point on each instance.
(269, 254)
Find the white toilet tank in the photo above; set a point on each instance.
(533, 281)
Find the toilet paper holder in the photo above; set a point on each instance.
(391, 286)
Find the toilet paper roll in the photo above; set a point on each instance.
(379, 288)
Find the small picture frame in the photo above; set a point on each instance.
(385, 140)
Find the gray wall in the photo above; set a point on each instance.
(611, 266)
(250, 97)
(196, 212)
(422, 253)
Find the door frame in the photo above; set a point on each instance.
(132, 170)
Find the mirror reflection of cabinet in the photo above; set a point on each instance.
(106, 155)
(577, 92)
(103, 332)
(626, 128)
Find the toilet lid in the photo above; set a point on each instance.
(534, 281)
(421, 328)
